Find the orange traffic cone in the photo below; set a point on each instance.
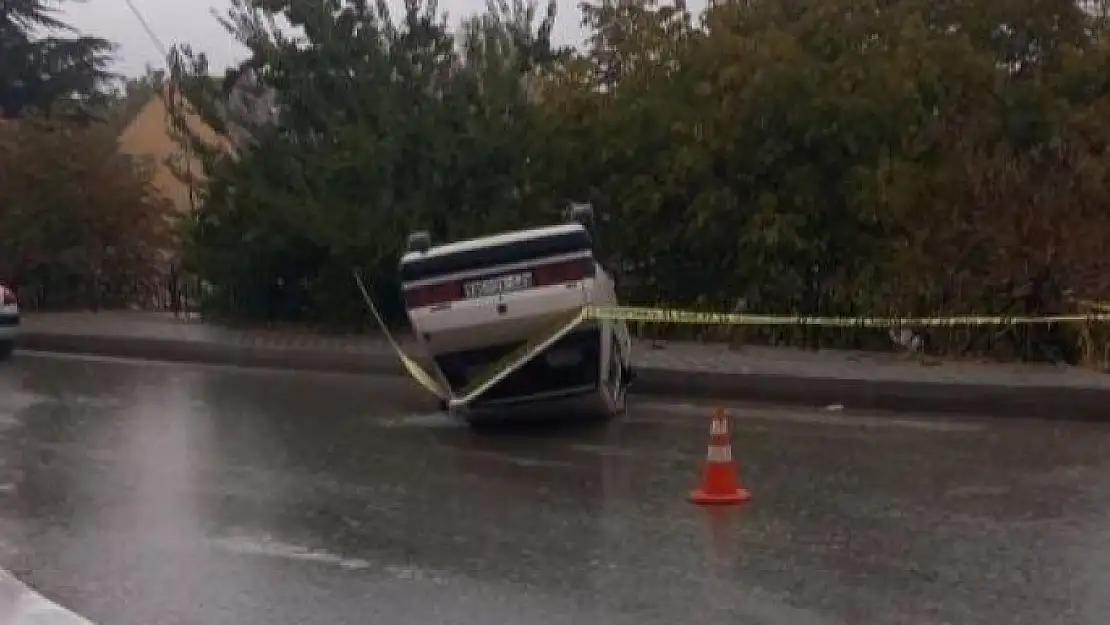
(719, 482)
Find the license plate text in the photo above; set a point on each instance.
(498, 285)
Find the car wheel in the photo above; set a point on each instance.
(618, 390)
(6, 349)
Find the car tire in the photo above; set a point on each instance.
(618, 404)
(6, 349)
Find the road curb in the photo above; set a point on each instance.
(1041, 401)
(212, 353)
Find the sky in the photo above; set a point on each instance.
(191, 21)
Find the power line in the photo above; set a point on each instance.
(149, 31)
(157, 41)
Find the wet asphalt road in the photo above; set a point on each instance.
(145, 494)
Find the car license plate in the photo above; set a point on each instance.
(498, 285)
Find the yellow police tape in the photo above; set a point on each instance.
(438, 386)
(519, 357)
(1100, 306)
(688, 317)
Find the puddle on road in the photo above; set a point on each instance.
(12, 403)
(570, 452)
(15, 402)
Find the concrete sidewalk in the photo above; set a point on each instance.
(854, 379)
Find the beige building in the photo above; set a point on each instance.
(150, 137)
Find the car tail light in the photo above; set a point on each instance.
(7, 296)
(569, 271)
(433, 294)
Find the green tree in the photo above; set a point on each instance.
(833, 156)
(44, 62)
(386, 125)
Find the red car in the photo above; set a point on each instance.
(9, 321)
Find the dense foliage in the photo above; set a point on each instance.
(124, 103)
(836, 156)
(80, 221)
(44, 65)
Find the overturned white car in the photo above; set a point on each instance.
(500, 317)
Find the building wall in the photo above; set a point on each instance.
(150, 137)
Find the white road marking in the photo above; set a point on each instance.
(267, 547)
(613, 451)
(20, 605)
(432, 420)
(520, 461)
(978, 490)
(816, 417)
(602, 450)
(270, 548)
